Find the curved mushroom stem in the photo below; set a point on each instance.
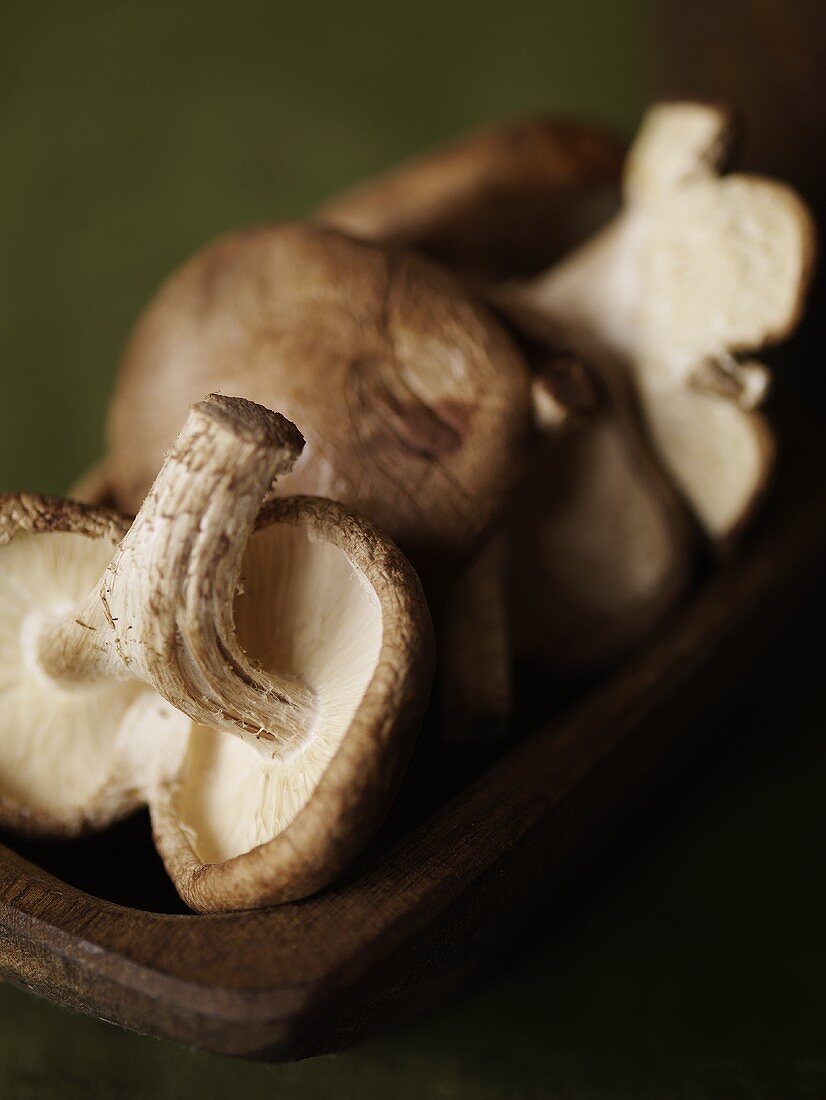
(163, 611)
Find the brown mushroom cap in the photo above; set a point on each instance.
(413, 402)
(500, 203)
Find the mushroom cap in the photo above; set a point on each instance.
(600, 548)
(345, 612)
(600, 544)
(66, 761)
(414, 403)
(500, 203)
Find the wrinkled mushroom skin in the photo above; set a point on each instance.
(501, 203)
(414, 404)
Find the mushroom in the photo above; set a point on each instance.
(598, 546)
(301, 630)
(695, 273)
(660, 306)
(500, 203)
(414, 401)
(415, 404)
(65, 748)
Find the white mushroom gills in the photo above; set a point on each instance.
(119, 681)
(60, 744)
(322, 622)
(163, 610)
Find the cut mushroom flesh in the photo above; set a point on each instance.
(697, 270)
(319, 663)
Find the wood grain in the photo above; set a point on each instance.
(448, 884)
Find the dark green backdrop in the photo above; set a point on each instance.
(132, 131)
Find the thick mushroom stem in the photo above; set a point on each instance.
(163, 611)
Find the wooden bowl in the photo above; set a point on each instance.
(469, 853)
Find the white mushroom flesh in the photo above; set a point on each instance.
(305, 610)
(61, 755)
(696, 270)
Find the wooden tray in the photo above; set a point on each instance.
(464, 859)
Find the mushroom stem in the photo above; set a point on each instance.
(163, 610)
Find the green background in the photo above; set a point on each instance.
(130, 132)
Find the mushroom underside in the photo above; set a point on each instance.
(63, 753)
(323, 625)
(413, 402)
(79, 756)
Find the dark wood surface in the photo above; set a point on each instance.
(463, 862)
